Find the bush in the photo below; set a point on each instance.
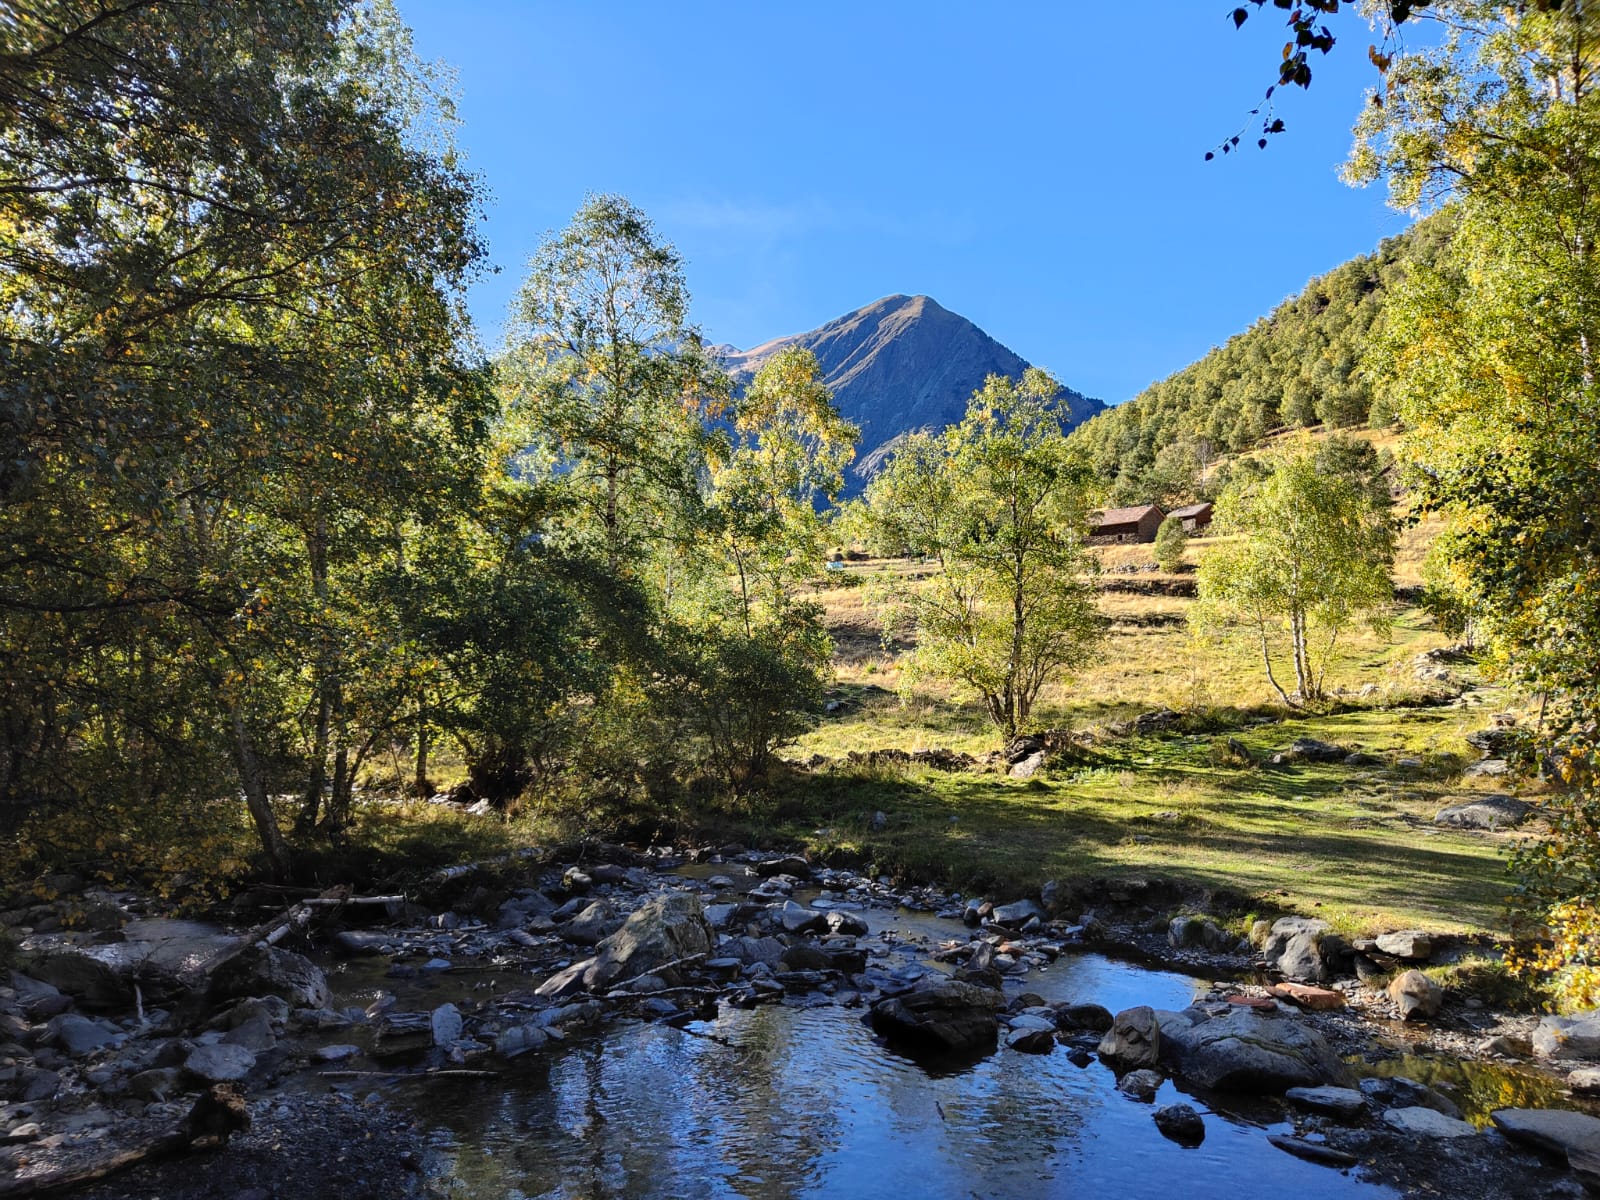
(1171, 539)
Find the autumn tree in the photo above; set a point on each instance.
(1001, 505)
(1310, 555)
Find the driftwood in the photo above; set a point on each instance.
(273, 930)
(446, 874)
(215, 1117)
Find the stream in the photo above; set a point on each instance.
(804, 1100)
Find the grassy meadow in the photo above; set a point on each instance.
(1356, 845)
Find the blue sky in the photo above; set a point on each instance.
(1036, 167)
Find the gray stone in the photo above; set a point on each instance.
(219, 1063)
(1407, 943)
(595, 923)
(847, 924)
(79, 1036)
(1134, 1039)
(1181, 1124)
(1311, 750)
(1585, 1080)
(1016, 914)
(362, 942)
(720, 916)
(1304, 949)
(1571, 1134)
(38, 999)
(1142, 1084)
(1489, 768)
(1397, 1091)
(1415, 995)
(943, 1014)
(520, 1039)
(1427, 1123)
(1344, 1103)
(255, 1035)
(338, 1052)
(1091, 1017)
(1241, 1050)
(663, 931)
(1031, 1041)
(1485, 812)
(270, 971)
(1027, 768)
(94, 984)
(1568, 1037)
(566, 982)
(445, 1025)
(791, 865)
(1031, 1021)
(797, 918)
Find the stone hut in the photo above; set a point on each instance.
(1195, 517)
(1136, 524)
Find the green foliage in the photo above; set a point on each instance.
(1000, 503)
(1171, 539)
(1302, 365)
(1491, 355)
(230, 264)
(1312, 554)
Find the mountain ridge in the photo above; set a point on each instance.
(901, 364)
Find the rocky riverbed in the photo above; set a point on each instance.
(1292, 1049)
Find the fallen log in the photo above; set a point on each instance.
(446, 874)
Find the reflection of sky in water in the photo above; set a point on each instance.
(779, 1102)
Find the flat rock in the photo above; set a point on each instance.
(79, 1035)
(942, 1014)
(791, 865)
(1585, 1080)
(1427, 1123)
(1142, 1084)
(220, 1063)
(270, 971)
(1031, 1041)
(1485, 812)
(1016, 914)
(1241, 1050)
(337, 1052)
(1311, 750)
(1344, 1103)
(362, 942)
(1568, 1037)
(1028, 767)
(1553, 1130)
(94, 984)
(1316, 999)
(1411, 944)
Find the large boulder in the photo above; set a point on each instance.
(1568, 1037)
(1415, 995)
(942, 1014)
(92, 983)
(269, 971)
(1485, 812)
(1134, 1039)
(1304, 949)
(1243, 1051)
(664, 931)
(1574, 1135)
(1406, 943)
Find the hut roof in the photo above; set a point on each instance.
(1125, 516)
(1191, 510)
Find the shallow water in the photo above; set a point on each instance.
(782, 1101)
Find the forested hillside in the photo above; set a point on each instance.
(1301, 365)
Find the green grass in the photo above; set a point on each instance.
(1356, 845)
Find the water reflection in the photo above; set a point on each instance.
(805, 1102)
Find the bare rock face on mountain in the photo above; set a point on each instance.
(899, 365)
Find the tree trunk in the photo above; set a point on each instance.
(419, 781)
(317, 552)
(256, 799)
